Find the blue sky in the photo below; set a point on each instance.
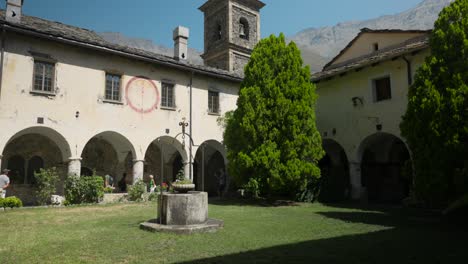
(155, 19)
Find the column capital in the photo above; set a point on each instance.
(74, 158)
(138, 160)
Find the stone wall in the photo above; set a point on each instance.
(220, 62)
(213, 20)
(239, 62)
(237, 15)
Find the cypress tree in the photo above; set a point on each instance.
(272, 137)
(436, 122)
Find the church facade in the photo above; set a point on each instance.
(70, 100)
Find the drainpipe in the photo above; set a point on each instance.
(1, 60)
(408, 68)
(190, 130)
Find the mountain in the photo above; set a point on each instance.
(146, 44)
(320, 45)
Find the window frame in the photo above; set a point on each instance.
(42, 91)
(210, 102)
(376, 90)
(173, 101)
(112, 100)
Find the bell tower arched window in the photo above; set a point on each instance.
(244, 28)
(219, 32)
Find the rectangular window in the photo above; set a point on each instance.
(382, 89)
(167, 95)
(113, 87)
(213, 102)
(43, 76)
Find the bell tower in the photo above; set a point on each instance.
(232, 29)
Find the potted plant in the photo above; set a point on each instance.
(182, 185)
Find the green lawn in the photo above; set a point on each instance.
(252, 234)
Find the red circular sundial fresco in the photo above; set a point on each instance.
(142, 94)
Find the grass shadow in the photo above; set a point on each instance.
(260, 202)
(401, 242)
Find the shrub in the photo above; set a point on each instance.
(84, 189)
(11, 202)
(153, 196)
(1, 202)
(136, 191)
(310, 192)
(46, 180)
(253, 188)
(108, 190)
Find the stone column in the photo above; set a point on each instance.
(74, 166)
(355, 179)
(187, 165)
(138, 167)
(1, 156)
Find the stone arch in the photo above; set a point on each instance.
(383, 159)
(335, 180)
(107, 153)
(209, 168)
(30, 149)
(164, 157)
(47, 132)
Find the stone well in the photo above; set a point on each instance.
(183, 213)
(184, 209)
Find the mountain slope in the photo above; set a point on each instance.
(322, 44)
(145, 44)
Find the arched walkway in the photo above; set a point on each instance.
(335, 181)
(383, 158)
(27, 152)
(164, 157)
(210, 168)
(108, 153)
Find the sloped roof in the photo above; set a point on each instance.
(76, 36)
(368, 30)
(395, 51)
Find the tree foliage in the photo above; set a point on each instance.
(436, 121)
(272, 135)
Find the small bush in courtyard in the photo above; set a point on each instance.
(311, 192)
(136, 191)
(11, 202)
(108, 190)
(84, 189)
(153, 196)
(252, 187)
(46, 180)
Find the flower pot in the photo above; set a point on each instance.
(183, 188)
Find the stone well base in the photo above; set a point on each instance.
(183, 213)
(212, 225)
(183, 208)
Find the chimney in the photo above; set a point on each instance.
(181, 35)
(13, 11)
